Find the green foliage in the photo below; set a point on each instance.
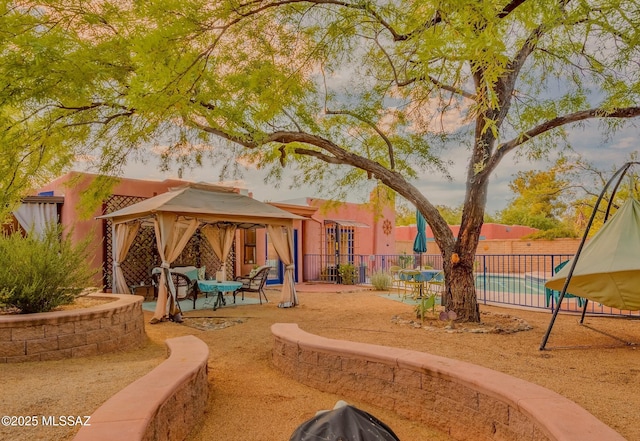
(405, 260)
(406, 214)
(336, 93)
(348, 273)
(539, 199)
(381, 281)
(554, 233)
(426, 303)
(37, 275)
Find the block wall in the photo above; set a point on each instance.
(113, 326)
(469, 402)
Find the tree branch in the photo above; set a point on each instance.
(363, 6)
(506, 147)
(385, 138)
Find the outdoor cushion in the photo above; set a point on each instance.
(190, 271)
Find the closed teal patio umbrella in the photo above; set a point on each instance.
(420, 242)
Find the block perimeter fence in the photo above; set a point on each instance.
(508, 279)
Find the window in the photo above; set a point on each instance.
(341, 241)
(250, 245)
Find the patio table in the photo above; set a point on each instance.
(218, 289)
(425, 276)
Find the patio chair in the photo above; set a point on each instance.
(253, 283)
(413, 282)
(435, 285)
(394, 271)
(185, 287)
(556, 294)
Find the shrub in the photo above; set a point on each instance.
(348, 273)
(37, 274)
(381, 281)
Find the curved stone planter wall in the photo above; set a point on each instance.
(72, 333)
(467, 401)
(163, 405)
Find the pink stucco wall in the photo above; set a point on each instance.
(373, 239)
(489, 231)
(72, 185)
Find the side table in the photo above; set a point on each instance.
(218, 289)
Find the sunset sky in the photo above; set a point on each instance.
(606, 153)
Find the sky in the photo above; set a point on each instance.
(607, 154)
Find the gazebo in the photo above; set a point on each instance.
(218, 212)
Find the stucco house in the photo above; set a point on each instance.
(330, 233)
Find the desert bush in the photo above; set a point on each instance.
(37, 274)
(381, 281)
(348, 273)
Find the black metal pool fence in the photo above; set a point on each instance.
(508, 279)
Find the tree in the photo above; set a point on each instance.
(406, 214)
(539, 201)
(334, 89)
(589, 181)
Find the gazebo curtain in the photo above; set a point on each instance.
(221, 238)
(282, 240)
(172, 235)
(123, 236)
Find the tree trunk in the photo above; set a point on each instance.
(460, 296)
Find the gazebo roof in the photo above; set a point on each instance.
(209, 204)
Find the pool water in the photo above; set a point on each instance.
(510, 284)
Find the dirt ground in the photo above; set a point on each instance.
(590, 364)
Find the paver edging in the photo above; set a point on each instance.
(467, 401)
(165, 404)
(99, 329)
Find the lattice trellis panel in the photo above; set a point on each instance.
(143, 254)
(198, 252)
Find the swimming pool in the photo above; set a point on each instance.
(511, 284)
(523, 290)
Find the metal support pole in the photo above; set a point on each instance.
(620, 173)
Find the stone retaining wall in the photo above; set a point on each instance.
(73, 333)
(163, 405)
(469, 402)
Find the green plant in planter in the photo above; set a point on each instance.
(405, 260)
(381, 281)
(348, 273)
(37, 274)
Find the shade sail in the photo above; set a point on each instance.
(608, 269)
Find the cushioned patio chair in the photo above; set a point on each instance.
(254, 282)
(556, 294)
(185, 287)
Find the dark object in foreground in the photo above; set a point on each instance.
(346, 423)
